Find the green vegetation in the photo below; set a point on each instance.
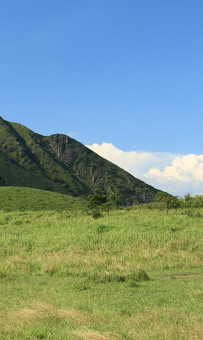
(100, 201)
(60, 164)
(97, 199)
(170, 202)
(136, 274)
(25, 199)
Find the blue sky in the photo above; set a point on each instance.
(127, 73)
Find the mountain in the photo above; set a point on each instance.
(61, 164)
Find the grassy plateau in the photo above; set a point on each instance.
(135, 274)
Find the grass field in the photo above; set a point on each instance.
(136, 274)
(24, 199)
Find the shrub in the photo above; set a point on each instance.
(101, 228)
(96, 214)
(141, 275)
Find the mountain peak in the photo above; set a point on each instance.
(60, 163)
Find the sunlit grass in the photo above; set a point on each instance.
(29, 199)
(65, 275)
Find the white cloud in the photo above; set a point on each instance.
(185, 174)
(177, 174)
(133, 161)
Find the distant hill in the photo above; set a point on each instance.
(61, 164)
(29, 199)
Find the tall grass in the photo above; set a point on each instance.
(135, 274)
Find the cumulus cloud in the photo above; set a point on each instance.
(136, 162)
(177, 174)
(185, 174)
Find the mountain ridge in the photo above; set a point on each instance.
(61, 164)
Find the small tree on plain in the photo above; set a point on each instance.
(170, 201)
(97, 199)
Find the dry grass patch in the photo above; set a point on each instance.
(39, 311)
(87, 334)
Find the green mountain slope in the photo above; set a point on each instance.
(61, 164)
(29, 199)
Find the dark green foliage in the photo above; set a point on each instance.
(134, 278)
(141, 275)
(188, 197)
(97, 199)
(100, 200)
(96, 214)
(170, 201)
(114, 199)
(61, 164)
(101, 228)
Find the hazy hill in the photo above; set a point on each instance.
(61, 164)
